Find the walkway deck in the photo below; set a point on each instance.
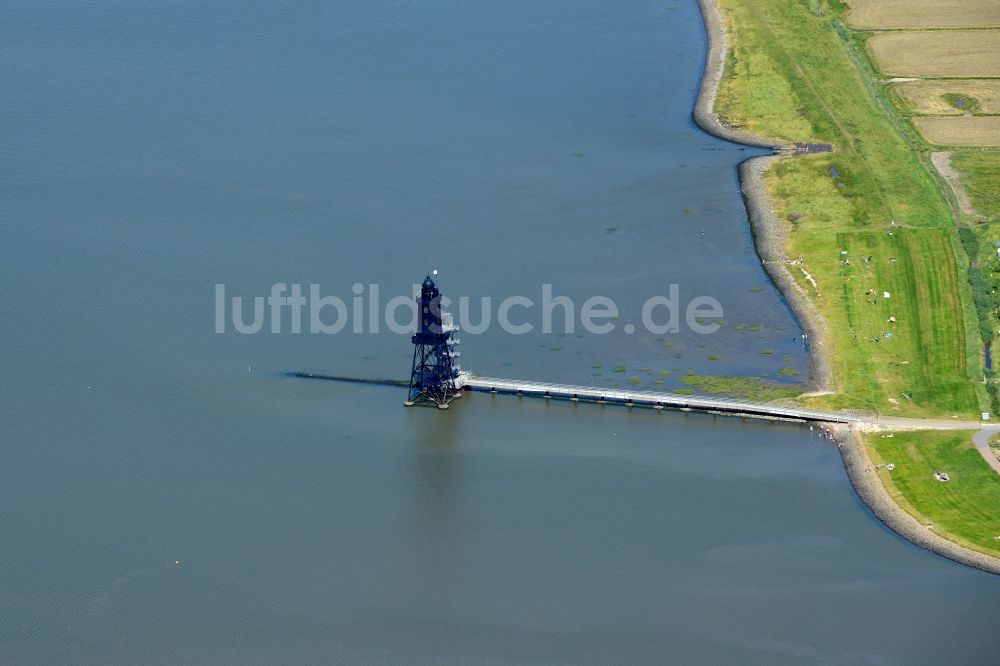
(652, 399)
(690, 403)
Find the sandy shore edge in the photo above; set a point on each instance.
(768, 232)
(770, 239)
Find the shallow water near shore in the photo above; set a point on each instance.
(169, 496)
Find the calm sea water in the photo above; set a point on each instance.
(166, 495)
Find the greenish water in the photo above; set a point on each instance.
(167, 496)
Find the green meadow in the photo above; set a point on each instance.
(964, 508)
(796, 74)
(908, 287)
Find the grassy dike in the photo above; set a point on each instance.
(794, 73)
(964, 509)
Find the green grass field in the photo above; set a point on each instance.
(797, 74)
(873, 217)
(911, 365)
(964, 508)
(981, 180)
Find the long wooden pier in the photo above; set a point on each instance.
(652, 399)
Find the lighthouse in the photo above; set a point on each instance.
(436, 379)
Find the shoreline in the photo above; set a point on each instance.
(769, 239)
(869, 488)
(768, 234)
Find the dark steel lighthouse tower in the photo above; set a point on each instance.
(436, 379)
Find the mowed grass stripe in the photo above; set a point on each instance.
(935, 281)
(921, 365)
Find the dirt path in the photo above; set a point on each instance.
(942, 162)
(981, 439)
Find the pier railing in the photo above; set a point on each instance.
(654, 399)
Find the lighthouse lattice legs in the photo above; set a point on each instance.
(432, 379)
(435, 378)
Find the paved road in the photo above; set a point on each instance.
(982, 442)
(905, 423)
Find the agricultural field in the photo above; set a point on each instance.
(964, 508)
(952, 97)
(960, 131)
(959, 53)
(881, 14)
